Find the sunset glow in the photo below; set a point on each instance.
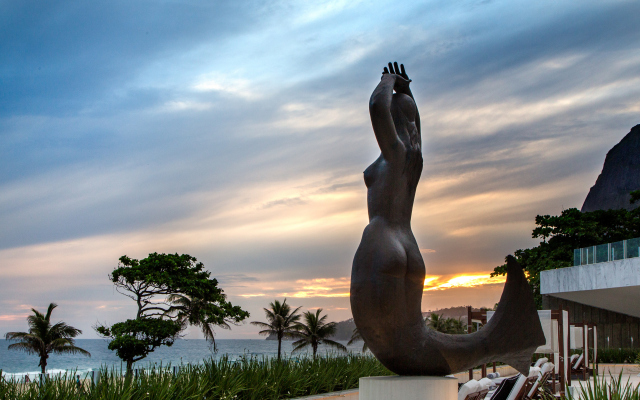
(463, 281)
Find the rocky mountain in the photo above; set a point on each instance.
(620, 175)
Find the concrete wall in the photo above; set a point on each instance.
(619, 328)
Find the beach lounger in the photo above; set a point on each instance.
(474, 390)
(515, 387)
(579, 367)
(537, 387)
(541, 362)
(578, 364)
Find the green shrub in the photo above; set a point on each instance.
(618, 356)
(245, 379)
(615, 389)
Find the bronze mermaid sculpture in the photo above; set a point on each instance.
(387, 277)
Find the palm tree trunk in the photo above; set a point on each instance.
(43, 364)
(315, 349)
(129, 367)
(279, 345)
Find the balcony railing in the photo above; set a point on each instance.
(629, 248)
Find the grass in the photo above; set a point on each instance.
(615, 389)
(246, 379)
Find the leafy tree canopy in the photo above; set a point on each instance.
(134, 339)
(570, 230)
(171, 292)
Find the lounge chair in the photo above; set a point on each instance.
(541, 362)
(573, 358)
(474, 390)
(536, 389)
(515, 387)
(578, 364)
(579, 367)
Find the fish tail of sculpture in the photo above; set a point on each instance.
(515, 330)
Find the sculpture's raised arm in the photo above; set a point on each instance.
(380, 112)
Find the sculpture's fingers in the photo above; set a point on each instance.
(395, 64)
(403, 72)
(391, 68)
(386, 71)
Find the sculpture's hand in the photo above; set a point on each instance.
(402, 79)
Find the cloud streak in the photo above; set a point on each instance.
(238, 134)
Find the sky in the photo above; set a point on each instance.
(237, 132)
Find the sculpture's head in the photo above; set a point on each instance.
(404, 107)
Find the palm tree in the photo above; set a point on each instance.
(192, 310)
(316, 331)
(44, 338)
(445, 325)
(456, 326)
(356, 337)
(281, 321)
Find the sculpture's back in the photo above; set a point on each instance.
(387, 277)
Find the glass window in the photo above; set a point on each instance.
(632, 248)
(617, 251)
(576, 257)
(590, 255)
(602, 253)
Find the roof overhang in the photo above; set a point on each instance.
(613, 285)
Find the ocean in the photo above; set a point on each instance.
(17, 364)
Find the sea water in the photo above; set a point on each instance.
(17, 364)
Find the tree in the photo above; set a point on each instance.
(190, 311)
(44, 338)
(356, 337)
(445, 325)
(281, 321)
(570, 230)
(315, 331)
(171, 291)
(437, 322)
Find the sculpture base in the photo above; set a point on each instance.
(408, 388)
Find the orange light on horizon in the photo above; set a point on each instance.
(339, 287)
(465, 281)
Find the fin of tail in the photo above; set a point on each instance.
(515, 327)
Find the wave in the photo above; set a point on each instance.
(52, 373)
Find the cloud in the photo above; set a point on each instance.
(239, 133)
(12, 317)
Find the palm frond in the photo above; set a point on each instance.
(261, 324)
(69, 349)
(334, 344)
(17, 335)
(24, 346)
(49, 311)
(355, 336)
(300, 346)
(63, 330)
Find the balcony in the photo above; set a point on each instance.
(629, 248)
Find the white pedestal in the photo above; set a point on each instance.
(408, 388)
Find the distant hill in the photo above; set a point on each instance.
(620, 175)
(345, 328)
